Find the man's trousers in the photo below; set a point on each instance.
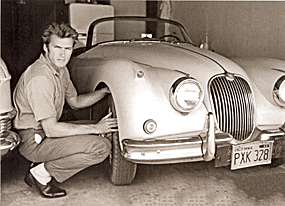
(64, 156)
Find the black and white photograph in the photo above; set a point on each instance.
(142, 103)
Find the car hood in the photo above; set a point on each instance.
(198, 63)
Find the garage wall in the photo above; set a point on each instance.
(236, 29)
(129, 7)
(23, 21)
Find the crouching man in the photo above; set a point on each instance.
(59, 149)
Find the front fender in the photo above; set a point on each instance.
(140, 92)
(263, 73)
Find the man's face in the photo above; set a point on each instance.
(59, 50)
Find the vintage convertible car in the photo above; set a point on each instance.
(176, 102)
(8, 139)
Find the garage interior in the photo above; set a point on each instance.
(234, 29)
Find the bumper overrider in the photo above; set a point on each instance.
(205, 146)
(8, 139)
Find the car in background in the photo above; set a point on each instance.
(8, 138)
(176, 102)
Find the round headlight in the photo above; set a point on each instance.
(186, 94)
(279, 91)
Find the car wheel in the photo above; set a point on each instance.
(122, 171)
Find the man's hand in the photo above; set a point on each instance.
(107, 124)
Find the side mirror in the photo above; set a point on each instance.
(204, 46)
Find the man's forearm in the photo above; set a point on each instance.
(86, 100)
(52, 128)
(62, 129)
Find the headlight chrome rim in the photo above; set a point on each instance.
(279, 91)
(175, 90)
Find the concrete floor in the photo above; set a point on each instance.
(190, 184)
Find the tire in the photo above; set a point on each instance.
(277, 162)
(122, 171)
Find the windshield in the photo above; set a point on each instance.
(135, 29)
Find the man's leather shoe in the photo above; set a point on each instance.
(49, 190)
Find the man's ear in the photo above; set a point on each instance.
(45, 47)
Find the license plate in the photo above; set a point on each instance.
(251, 154)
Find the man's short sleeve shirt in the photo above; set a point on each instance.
(41, 93)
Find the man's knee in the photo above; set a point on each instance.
(101, 148)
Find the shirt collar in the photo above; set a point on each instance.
(54, 69)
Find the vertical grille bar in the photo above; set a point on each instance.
(233, 105)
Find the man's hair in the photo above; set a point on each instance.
(62, 30)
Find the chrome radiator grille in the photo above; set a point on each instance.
(233, 105)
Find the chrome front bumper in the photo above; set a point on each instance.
(201, 147)
(187, 149)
